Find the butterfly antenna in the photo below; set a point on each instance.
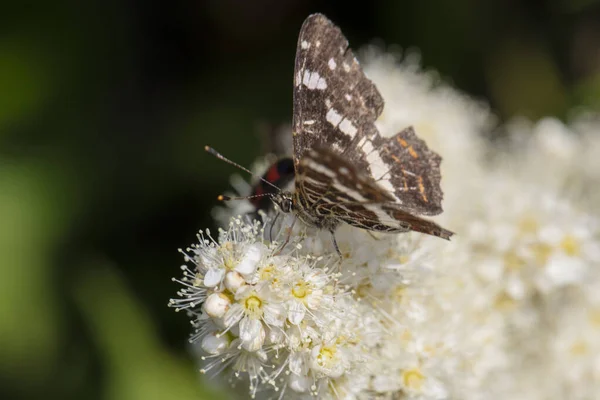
(222, 197)
(223, 158)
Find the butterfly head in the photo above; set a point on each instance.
(283, 200)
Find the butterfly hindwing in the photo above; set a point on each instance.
(413, 172)
(333, 188)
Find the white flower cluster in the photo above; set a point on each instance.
(510, 308)
(284, 321)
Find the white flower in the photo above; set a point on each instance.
(306, 291)
(254, 308)
(511, 301)
(328, 359)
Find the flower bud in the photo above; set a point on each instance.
(233, 281)
(216, 305)
(214, 344)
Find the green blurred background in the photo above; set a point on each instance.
(104, 111)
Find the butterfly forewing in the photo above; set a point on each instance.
(334, 103)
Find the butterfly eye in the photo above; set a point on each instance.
(283, 201)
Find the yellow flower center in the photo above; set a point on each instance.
(363, 289)
(253, 306)
(301, 290)
(229, 263)
(579, 348)
(405, 337)
(226, 250)
(399, 293)
(595, 317)
(570, 245)
(413, 378)
(541, 252)
(266, 273)
(326, 355)
(504, 302)
(512, 261)
(528, 225)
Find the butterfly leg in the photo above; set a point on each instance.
(271, 227)
(373, 236)
(335, 243)
(287, 239)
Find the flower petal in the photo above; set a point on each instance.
(233, 315)
(213, 276)
(273, 314)
(299, 384)
(314, 299)
(297, 364)
(252, 334)
(249, 261)
(214, 344)
(296, 312)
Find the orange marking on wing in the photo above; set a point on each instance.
(412, 152)
(402, 142)
(403, 172)
(404, 179)
(422, 189)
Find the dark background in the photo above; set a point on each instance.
(105, 107)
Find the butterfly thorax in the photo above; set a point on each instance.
(296, 203)
(306, 213)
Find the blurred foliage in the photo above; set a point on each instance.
(104, 111)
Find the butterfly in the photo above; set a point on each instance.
(344, 170)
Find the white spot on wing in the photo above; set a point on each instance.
(333, 117)
(309, 122)
(344, 171)
(320, 168)
(312, 80)
(332, 64)
(387, 185)
(315, 182)
(306, 77)
(378, 168)
(318, 43)
(346, 66)
(305, 44)
(348, 128)
(380, 214)
(298, 78)
(348, 96)
(321, 84)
